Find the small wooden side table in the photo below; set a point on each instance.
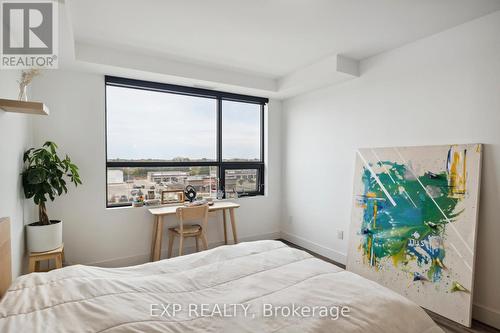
(36, 257)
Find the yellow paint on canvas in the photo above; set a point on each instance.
(457, 175)
(399, 257)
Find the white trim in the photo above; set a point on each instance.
(486, 315)
(335, 255)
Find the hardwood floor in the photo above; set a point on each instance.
(447, 325)
(451, 327)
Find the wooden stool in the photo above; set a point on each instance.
(36, 257)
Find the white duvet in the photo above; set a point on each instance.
(262, 286)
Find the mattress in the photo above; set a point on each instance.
(262, 286)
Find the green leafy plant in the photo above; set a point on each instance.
(44, 176)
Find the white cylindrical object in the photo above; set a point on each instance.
(42, 238)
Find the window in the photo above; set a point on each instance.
(164, 137)
(239, 182)
(145, 125)
(125, 183)
(241, 131)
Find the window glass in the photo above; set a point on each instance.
(241, 131)
(146, 125)
(241, 181)
(125, 184)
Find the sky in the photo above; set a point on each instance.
(144, 124)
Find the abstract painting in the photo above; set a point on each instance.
(413, 226)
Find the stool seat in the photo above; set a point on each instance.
(57, 250)
(35, 257)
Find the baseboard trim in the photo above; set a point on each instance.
(486, 315)
(144, 258)
(315, 247)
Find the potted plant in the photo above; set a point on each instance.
(44, 176)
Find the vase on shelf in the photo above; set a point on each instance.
(27, 77)
(23, 96)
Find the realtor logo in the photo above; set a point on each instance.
(29, 34)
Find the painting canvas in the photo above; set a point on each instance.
(414, 220)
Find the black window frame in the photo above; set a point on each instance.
(219, 163)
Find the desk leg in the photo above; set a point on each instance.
(158, 238)
(224, 222)
(153, 239)
(233, 225)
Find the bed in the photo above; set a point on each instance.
(265, 277)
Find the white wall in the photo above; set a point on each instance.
(15, 138)
(439, 90)
(94, 234)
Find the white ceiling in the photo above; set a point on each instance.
(264, 38)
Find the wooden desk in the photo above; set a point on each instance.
(160, 212)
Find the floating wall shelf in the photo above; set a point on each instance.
(10, 105)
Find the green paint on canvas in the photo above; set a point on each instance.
(413, 228)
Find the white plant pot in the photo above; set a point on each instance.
(43, 238)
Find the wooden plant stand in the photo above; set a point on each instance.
(36, 257)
